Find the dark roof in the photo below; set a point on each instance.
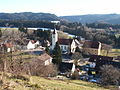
(65, 41)
(54, 31)
(103, 60)
(94, 58)
(65, 67)
(91, 44)
(106, 47)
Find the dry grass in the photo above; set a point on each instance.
(114, 53)
(39, 83)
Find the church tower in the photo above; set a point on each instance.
(54, 38)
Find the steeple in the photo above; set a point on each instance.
(54, 38)
(54, 31)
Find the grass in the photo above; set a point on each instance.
(114, 53)
(10, 29)
(40, 83)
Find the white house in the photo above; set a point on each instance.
(66, 45)
(32, 44)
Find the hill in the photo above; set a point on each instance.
(90, 18)
(39, 83)
(28, 16)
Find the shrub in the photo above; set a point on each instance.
(109, 75)
(75, 75)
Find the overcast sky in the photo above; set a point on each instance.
(61, 7)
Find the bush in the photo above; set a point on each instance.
(75, 75)
(19, 77)
(109, 75)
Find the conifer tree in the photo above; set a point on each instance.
(47, 50)
(57, 55)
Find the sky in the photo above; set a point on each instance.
(61, 7)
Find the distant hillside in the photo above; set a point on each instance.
(28, 16)
(90, 18)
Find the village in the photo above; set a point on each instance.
(80, 59)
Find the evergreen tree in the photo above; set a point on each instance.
(47, 50)
(23, 29)
(57, 54)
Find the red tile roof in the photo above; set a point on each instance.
(8, 45)
(33, 41)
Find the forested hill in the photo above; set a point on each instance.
(28, 16)
(91, 18)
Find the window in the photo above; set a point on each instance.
(62, 47)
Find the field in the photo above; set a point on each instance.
(114, 53)
(39, 83)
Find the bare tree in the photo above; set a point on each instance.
(109, 75)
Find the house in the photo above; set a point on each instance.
(32, 44)
(67, 68)
(97, 61)
(44, 59)
(8, 47)
(105, 49)
(66, 45)
(92, 47)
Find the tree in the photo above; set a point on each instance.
(47, 50)
(23, 29)
(78, 50)
(57, 54)
(76, 56)
(109, 75)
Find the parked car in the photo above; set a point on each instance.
(94, 80)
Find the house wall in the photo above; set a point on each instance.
(30, 45)
(91, 51)
(65, 48)
(92, 64)
(99, 49)
(73, 68)
(104, 52)
(73, 46)
(48, 62)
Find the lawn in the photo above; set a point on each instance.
(39, 83)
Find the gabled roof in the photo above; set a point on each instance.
(95, 58)
(106, 47)
(8, 45)
(54, 31)
(65, 67)
(65, 41)
(33, 41)
(44, 57)
(91, 44)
